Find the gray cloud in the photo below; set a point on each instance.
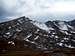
(31, 8)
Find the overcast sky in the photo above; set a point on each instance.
(38, 9)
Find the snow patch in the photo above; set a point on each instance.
(41, 26)
(36, 38)
(62, 26)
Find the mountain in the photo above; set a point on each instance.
(65, 31)
(36, 35)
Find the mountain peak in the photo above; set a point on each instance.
(36, 35)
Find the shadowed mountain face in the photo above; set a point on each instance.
(23, 32)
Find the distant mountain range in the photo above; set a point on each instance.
(37, 35)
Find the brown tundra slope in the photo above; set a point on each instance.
(21, 37)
